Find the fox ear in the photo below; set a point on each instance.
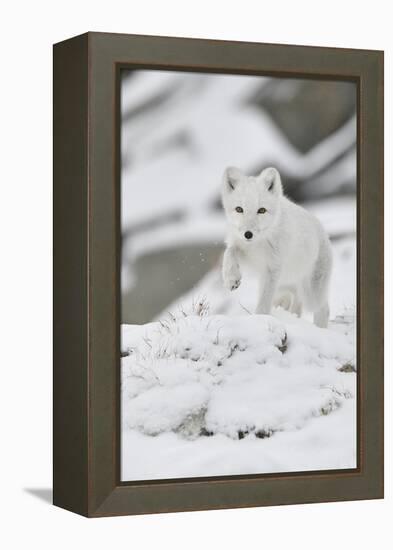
(231, 177)
(271, 179)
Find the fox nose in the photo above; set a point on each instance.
(248, 235)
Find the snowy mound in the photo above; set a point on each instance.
(251, 375)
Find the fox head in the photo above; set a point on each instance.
(251, 204)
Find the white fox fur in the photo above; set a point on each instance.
(288, 247)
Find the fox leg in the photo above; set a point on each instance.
(321, 316)
(288, 298)
(267, 290)
(296, 304)
(283, 299)
(316, 288)
(230, 269)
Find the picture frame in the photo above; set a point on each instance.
(86, 379)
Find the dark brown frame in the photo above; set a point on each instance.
(86, 274)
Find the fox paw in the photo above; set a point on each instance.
(232, 283)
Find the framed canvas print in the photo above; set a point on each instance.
(218, 274)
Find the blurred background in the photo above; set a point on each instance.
(179, 131)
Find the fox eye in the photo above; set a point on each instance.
(239, 209)
(262, 210)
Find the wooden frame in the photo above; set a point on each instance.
(86, 274)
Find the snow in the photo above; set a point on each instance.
(314, 447)
(250, 384)
(197, 229)
(175, 152)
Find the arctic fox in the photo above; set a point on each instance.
(281, 241)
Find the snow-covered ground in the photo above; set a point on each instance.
(215, 394)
